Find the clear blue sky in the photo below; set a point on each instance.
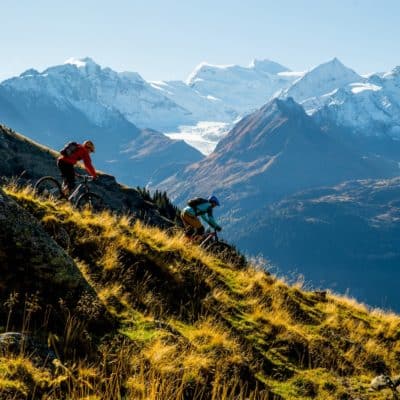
(166, 39)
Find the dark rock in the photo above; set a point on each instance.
(17, 343)
(33, 265)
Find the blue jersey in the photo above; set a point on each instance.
(203, 210)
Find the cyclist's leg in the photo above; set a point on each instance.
(189, 230)
(191, 224)
(200, 230)
(68, 175)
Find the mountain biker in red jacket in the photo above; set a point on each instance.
(66, 164)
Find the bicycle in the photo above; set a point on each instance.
(209, 240)
(48, 186)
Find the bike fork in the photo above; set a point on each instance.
(74, 193)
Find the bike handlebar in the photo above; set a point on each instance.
(86, 178)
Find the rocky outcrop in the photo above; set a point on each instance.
(29, 252)
(40, 277)
(16, 342)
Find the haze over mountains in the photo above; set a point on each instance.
(288, 132)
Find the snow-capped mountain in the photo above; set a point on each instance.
(370, 108)
(202, 108)
(218, 96)
(312, 88)
(212, 95)
(95, 91)
(70, 102)
(335, 95)
(243, 89)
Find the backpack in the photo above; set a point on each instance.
(69, 149)
(196, 202)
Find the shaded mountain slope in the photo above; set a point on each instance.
(29, 256)
(276, 152)
(346, 237)
(269, 154)
(195, 326)
(154, 156)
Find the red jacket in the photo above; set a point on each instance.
(81, 154)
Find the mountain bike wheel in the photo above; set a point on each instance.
(48, 187)
(91, 201)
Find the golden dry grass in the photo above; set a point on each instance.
(196, 326)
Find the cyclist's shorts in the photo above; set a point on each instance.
(191, 220)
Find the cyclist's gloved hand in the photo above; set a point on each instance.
(218, 229)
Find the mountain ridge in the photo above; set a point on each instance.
(224, 94)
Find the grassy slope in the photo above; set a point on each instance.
(194, 326)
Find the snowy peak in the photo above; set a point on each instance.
(206, 71)
(87, 67)
(288, 106)
(101, 93)
(243, 89)
(321, 80)
(82, 62)
(29, 72)
(268, 66)
(215, 94)
(368, 109)
(335, 68)
(76, 67)
(394, 74)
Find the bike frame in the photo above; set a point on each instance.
(210, 236)
(84, 184)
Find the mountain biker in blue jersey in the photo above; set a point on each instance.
(199, 207)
